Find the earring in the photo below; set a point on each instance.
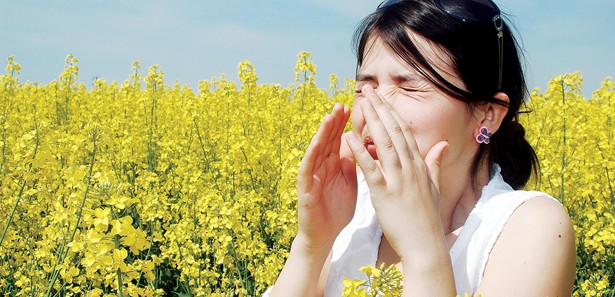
(484, 135)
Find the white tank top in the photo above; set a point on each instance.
(357, 245)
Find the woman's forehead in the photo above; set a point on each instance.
(435, 55)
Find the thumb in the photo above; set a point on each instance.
(345, 151)
(433, 161)
(348, 162)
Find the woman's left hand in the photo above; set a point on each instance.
(404, 187)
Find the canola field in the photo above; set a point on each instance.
(141, 188)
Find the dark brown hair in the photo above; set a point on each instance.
(474, 54)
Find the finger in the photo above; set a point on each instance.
(326, 139)
(371, 171)
(399, 127)
(341, 114)
(411, 145)
(323, 138)
(345, 151)
(338, 141)
(384, 130)
(306, 168)
(329, 143)
(313, 154)
(348, 163)
(433, 161)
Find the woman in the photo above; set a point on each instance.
(441, 157)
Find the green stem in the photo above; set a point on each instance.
(6, 228)
(2, 167)
(66, 107)
(120, 284)
(23, 186)
(608, 176)
(64, 253)
(206, 159)
(151, 144)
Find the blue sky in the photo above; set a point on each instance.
(194, 40)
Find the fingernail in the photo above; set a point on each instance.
(366, 88)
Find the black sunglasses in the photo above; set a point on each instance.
(473, 12)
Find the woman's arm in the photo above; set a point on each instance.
(327, 193)
(304, 273)
(535, 254)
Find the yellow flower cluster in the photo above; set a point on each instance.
(141, 188)
(575, 142)
(383, 281)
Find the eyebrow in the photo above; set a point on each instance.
(404, 77)
(364, 77)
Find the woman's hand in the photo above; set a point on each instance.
(326, 184)
(403, 186)
(327, 188)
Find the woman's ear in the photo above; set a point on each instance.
(493, 113)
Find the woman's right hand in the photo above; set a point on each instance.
(326, 184)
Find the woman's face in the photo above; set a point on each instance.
(432, 115)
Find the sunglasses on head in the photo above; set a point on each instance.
(473, 12)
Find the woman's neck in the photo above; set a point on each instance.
(459, 196)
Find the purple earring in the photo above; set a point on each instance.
(484, 135)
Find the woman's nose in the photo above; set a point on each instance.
(385, 92)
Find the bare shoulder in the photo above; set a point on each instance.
(535, 254)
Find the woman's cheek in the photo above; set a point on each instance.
(423, 144)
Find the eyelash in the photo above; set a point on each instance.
(405, 89)
(412, 90)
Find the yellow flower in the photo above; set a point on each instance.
(101, 221)
(69, 273)
(198, 187)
